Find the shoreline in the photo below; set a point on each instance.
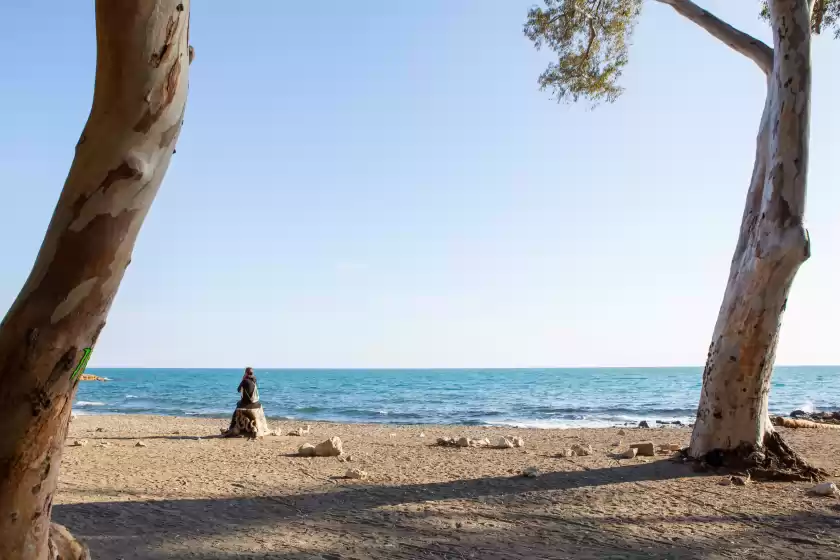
(525, 425)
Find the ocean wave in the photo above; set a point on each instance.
(89, 403)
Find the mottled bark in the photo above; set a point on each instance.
(773, 243)
(125, 148)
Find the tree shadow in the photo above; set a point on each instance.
(361, 521)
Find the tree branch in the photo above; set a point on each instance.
(754, 49)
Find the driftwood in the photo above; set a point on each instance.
(795, 423)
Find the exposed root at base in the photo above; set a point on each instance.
(775, 461)
(62, 545)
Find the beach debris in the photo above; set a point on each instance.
(581, 450)
(531, 472)
(797, 423)
(644, 424)
(566, 453)
(504, 443)
(622, 432)
(463, 442)
(330, 448)
(630, 453)
(80, 443)
(825, 489)
(645, 448)
(100, 429)
(422, 435)
(140, 444)
(518, 442)
(356, 474)
(91, 377)
(300, 432)
(306, 450)
(740, 480)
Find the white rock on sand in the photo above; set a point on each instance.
(306, 450)
(504, 443)
(356, 474)
(463, 442)
(630, 453)
(80, 443)
(581, 450)
(330, 448)
(299, 432)
(140, 444)
(518, 442)
(825, 489)
(566, 453)
(645, 448)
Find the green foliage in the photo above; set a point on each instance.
(590, 38)
(826, 15)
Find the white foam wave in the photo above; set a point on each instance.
(89, 403)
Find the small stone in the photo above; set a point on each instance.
(422, 435)
(272, 433)
(670, 447)
(356, 474)
(531, 472)
(330, 448)
(392, 436)
(80, 443)
(630, 453)
(349, 458)
(644, 424)
(140, 444)
(518, 442)
(504, 443)
(100, 430)
(566, 453)
(725, 482)
(825, 489)
(306, 450)
(463, 442)
(621, 432)
(740, 480)
(645, 448)
(175, 433)
(581, 450)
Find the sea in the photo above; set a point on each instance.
(538, 398)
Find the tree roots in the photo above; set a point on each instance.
(775, 461)
(63, 546)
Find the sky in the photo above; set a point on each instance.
(382, 184)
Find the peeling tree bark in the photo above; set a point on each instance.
(773, 243)
(121, 158)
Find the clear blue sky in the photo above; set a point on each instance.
(381, 184)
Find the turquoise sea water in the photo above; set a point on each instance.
(524, 397)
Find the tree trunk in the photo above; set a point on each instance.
(121, 158)
(773, 243)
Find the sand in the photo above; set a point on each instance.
(180, 497)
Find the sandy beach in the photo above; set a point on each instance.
(179, 496)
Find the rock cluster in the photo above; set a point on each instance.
(501, 443)
(329, 448)
(300, 432)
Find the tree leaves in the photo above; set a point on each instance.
(825, 15)
(590, 38)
